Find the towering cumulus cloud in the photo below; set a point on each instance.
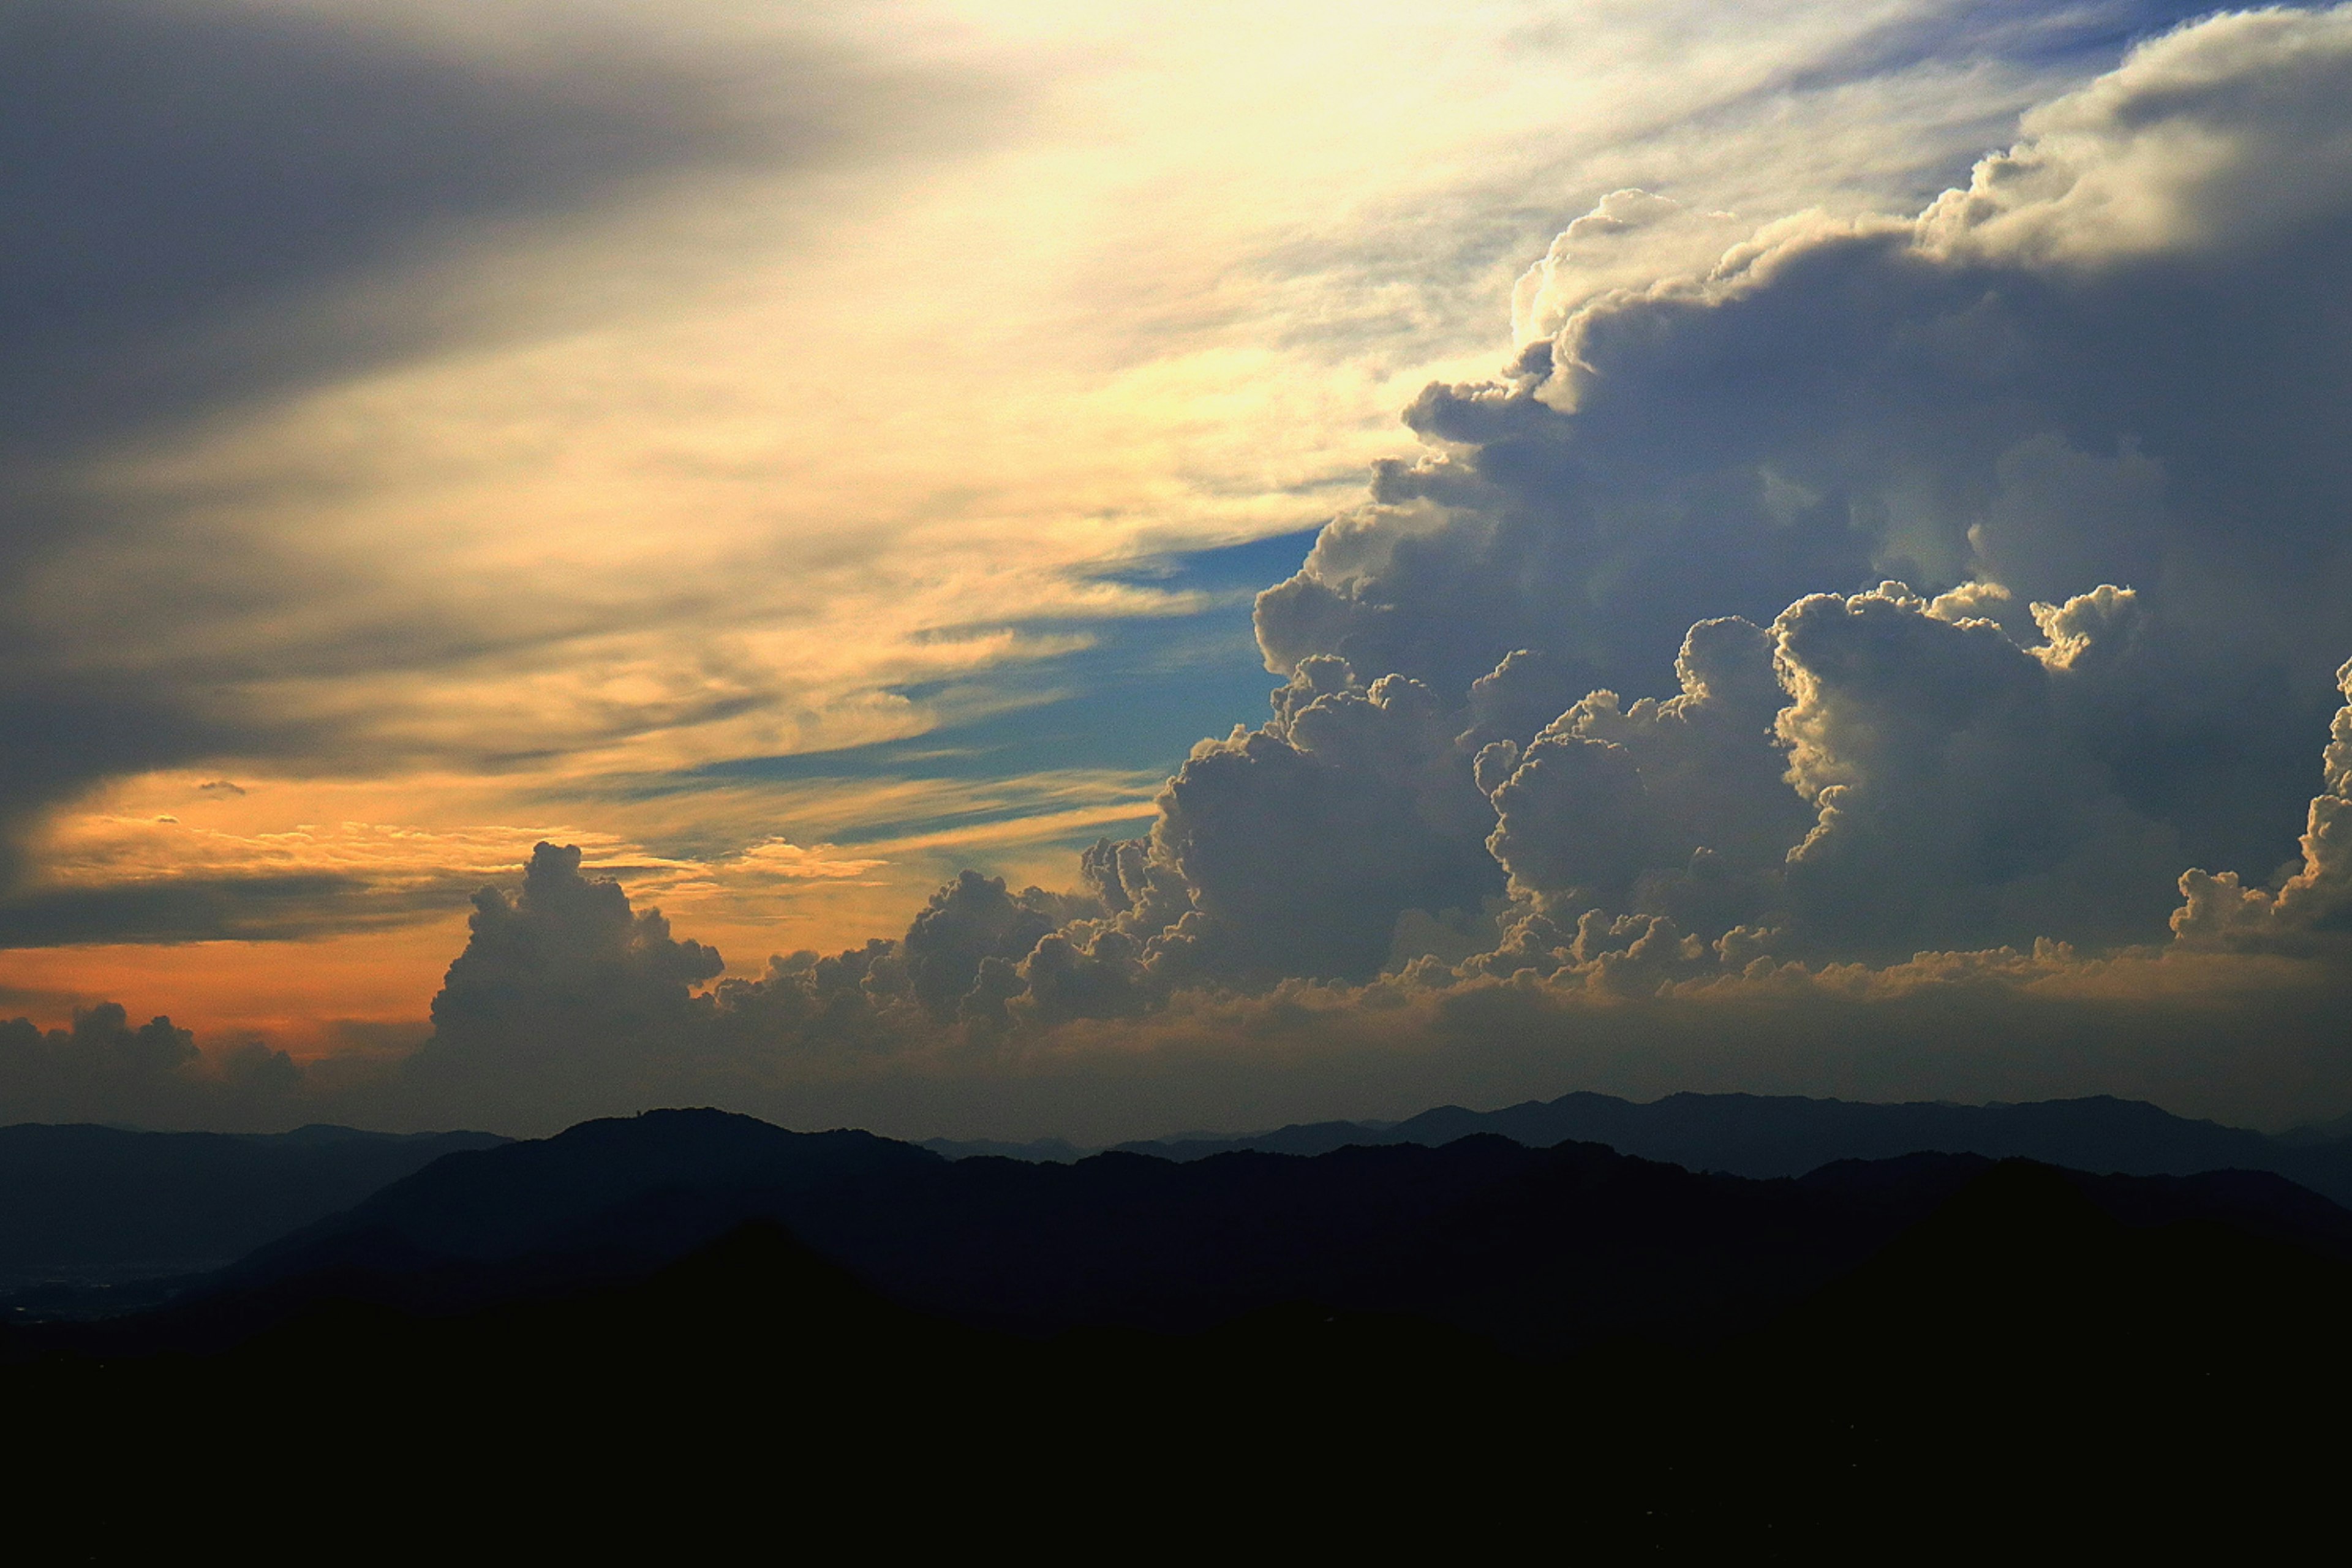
(1839, 640)
(2088, 406)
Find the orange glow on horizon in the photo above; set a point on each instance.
(295, 995)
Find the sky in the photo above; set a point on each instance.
(1027, 569)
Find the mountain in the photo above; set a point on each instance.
(1765, 1135)
(95, 1206)
(2026, 1365)
(749, 1393)
(2018, 1355)
(96, 1220)
(1543, 1252)
(1044, 1151)
(604, 1200)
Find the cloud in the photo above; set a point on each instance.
(2316, 898)
(178, 169)
(223, 209)
(564, 994)
(102, 1068)
(969, 925)
(2073, 384)
(1302, 841)
(1630, 240)
(601, 1018)
(135, 876)
(427, 390)
(1997, 556)
(1966, 791)
(201, 909)
(1677, 807)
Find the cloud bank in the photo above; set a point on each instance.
(1877, 654)
(525, 407)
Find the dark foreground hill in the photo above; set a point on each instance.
(87, 1206)
(1953, 1359)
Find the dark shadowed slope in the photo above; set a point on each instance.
(753, 1397)
(1542, 1250)
(2023, 1367)
(98, 1205)
(604, 1200)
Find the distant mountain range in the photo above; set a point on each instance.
(1761, 1135)
(97, 1220)
(1469, 1348)
(1544, 1252)
(95, 1208)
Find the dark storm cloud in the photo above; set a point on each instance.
(64, 729)
(261, 908)
(170, 171)
(104, 1069)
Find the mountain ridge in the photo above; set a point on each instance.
(1787, 1135)
(83, 1204)
(1544, 1251)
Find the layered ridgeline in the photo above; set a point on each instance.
(86, 1213)
(1543, 1252)
(1465, 1345)
(1768, 1135)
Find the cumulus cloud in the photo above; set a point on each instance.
(562, 983)
(1631, 240)
(2085, 405)
(1965, 790)
(1677, 807)
(1303, 840)
(569, 1002)
(101, 1067)
(2316, 898)
(1626, 1005)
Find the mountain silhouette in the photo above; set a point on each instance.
(97, 1207)
(1542, 1252)
(1787, 1135)
(97, 1221)
(2026, 1365)
(2024, 1359)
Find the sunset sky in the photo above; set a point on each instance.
(798, 454)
